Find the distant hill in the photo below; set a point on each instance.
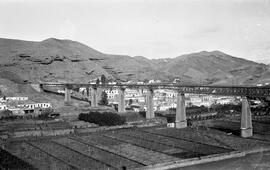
(70, 61)
(216, 67)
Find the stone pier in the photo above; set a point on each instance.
(99, 92)
(94, 102)
(121, 105)
(67, 96)
(88, 92)
(150, 104)
(246, 119)
(180, 118)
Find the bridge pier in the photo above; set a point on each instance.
(88, 92)
(246, 119)
(99, 92)
(180, 117)
(121, 105)
(150, 104)
(94, 102)
(67, 96)
(89, 95)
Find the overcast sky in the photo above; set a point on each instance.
(150, 28)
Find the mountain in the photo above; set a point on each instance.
(54, 60)
(215, 67)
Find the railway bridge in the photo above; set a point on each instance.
(246, 92)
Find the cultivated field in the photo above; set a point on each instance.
(130, 148)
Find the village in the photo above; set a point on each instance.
(135, 99)
(21, 106)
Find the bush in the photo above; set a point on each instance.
(192, 110)
(171, 119)
(104, 99)
(102, 119)
(12, 117)
(45, 113)
(8, 115)
(227, 107)
(142, 113)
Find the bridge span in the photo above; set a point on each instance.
(252, 91)
(245, 92)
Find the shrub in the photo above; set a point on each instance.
(192, 110)
(142, 113)
(45, 113)
(171, 119)
(5, 113)
(104, 99)
(12, 117)
(8, 115)
(102, 119)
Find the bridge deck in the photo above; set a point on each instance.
(251, 91)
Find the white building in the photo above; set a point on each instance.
(3, 107)
(35, 105)
(13, 99)
(166, 106)
(112, 93)
(171, 94)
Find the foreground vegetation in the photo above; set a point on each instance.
(102, 119)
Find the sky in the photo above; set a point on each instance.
(149, 28)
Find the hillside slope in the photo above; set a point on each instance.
(54, 60)
(215, 67)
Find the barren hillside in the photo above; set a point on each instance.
(70, 61)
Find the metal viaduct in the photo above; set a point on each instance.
(246, 92)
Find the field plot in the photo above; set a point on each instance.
(105, 157)
(36, 157)
(178, 147)
(188, 142)
(69, 156)
(128, 148)
(144, 156)
(25, 125)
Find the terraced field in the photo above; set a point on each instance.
(132, 148)
(37, 157)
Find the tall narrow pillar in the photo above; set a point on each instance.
(67, 96)
(180, 118)
(94, 102)
(99, 92)
(246, 120)
(89, 95)
(87, 92)
(121, 105)
(140, 91)
(150, 104)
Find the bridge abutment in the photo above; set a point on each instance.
(246, 119)
(150, 104)
(180, 118)
(121, 105)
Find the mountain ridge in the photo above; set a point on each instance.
(71, 61)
